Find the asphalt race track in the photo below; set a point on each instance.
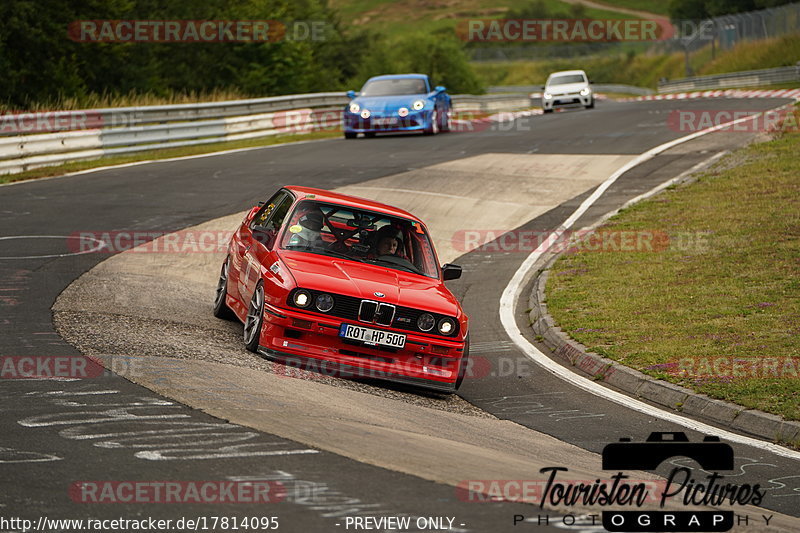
(59, 433)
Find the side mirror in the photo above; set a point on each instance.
(543, 87)
(440, 89)
(351, 94)
(450, 272)
(252, 213)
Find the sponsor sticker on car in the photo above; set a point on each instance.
(372, 336)
(384, 121)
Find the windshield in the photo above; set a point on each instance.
(568, 78)
(394, 87)
(360, 235)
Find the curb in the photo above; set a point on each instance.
(726, 93)
(571, 353)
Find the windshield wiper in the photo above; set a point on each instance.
(321, 250)
(409, 267)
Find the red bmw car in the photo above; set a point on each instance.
(347, 286)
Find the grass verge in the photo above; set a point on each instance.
(165, 154)
(718, 310)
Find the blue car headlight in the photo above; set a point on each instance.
(418, 105)
(354, 107)
(403, 111)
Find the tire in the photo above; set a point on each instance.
(548, 110)
(433, 127)
(370, 135)
(221, 309)
(445, 122)
(350, 135)
(462, 367)
(591, 104)
(254, 319)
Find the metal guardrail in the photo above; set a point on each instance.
(749, 78)
(598, 87)
(32, 140)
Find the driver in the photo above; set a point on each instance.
(388, 241)
(310, 227)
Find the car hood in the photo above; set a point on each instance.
(566, 88)
(362, 280)
(388, 103)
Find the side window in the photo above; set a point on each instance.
(279, 213)
(276, 207)
(261, 217)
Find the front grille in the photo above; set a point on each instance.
(376, 312)
(370, 311)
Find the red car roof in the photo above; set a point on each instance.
(351, 201)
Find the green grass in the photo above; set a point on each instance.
(727, 286)
(659, 8)
(751, 55)
(164, 154)
(394, 18)
(133, 98)
(644, 70)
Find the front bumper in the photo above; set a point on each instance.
(312, 343)
(567, 99)
(386, 122)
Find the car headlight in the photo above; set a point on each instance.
(403, 111)
(547, 96)
(365, 113)
(419, 104)
(354, 107)
(302, 298)
(324, 302)
(446, 326)
(585, 91)
(425, 322)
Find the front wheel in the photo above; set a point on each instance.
(255, 319)
(221, 309)
(591, 104)
(433, 127)
(548, 110)
(350, 135)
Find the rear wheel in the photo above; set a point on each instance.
(221, 309)
(548, 110)
(369, 134)
(255, 319)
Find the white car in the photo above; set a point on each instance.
(567, 87)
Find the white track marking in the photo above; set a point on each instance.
(95, 248)
(512, 291)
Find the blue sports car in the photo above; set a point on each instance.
(394, 103)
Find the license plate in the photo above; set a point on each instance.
(384, 121)
(372, 336)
